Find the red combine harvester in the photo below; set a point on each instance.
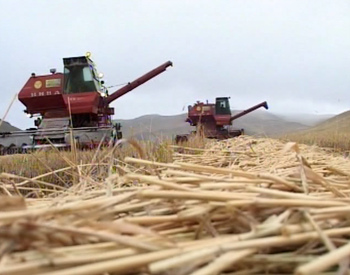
(73, 101)
(214, 120)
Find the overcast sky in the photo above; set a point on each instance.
(293, 54)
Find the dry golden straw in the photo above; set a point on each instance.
(238, 206)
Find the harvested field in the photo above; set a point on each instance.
(239, 206)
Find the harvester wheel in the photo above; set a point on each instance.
(181, 139)
(12, 149)
(22, 150)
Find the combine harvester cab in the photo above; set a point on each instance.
(73, 104)
(214, 120)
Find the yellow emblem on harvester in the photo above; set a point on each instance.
(38, 84)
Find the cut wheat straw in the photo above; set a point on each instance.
(239, 206)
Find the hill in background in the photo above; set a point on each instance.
(154, 126)
(306, 119)
(7, 127)
(333, 132)
(265, 123)
(337, 124)
(260, 122)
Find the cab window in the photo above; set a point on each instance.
(222, 106)
(78, 79)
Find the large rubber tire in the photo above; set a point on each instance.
(12, 149)
(22, 150)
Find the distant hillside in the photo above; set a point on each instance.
(339, 123)
(336, 124)
(155, 126)
(265, 123)
(333, 133)
(259, 122)
(306, 119)
(7, 127)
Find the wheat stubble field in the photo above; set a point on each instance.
(239, 206)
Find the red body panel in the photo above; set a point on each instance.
(83, 103)
(205, 113)
(44, 93)
(222, 120)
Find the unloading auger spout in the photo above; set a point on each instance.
(137, 82)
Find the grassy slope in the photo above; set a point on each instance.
(334, 132)
(338, 124)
